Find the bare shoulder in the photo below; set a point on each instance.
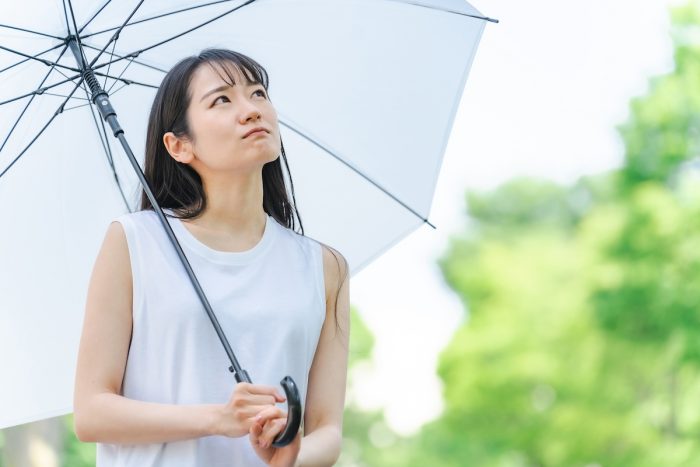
(113, 257)
(335, 270)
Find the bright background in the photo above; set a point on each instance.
(547, 88)
(551, 80)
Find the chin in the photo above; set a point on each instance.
(272, 156)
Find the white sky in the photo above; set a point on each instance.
(547, 86)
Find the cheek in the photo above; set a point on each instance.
(214, 137)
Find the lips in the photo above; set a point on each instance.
(255, 130)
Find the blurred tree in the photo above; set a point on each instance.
(358, 424)
(36, 444)
(75, 452)
(582, 343)
(663, 129)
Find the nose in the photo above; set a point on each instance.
(250, 112)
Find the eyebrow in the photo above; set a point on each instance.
(225, 86)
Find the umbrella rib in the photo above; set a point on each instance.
(114, 44)
(109, 91)
(137, 53)
(36, 57)
(94, 16)
(115, 35)
(30, 31)
(26, 59)
(107, 148)
(71, 78)
(408, 2)
(56, 65)
(58, 111)
(77, 107)
(9, 134)
(126, 81)
(119, 89)
(39, 91)
(357, 171)
(124, 57)
(62, 73)
(65, 15)
(160, 16)
(61, 95)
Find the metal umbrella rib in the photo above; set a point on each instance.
(61, 107)
(359, 174)
(288, 125)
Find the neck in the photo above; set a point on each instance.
(234, 205)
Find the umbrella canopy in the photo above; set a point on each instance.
(366, 92)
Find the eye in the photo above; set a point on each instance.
(261, 92)
(216, 100)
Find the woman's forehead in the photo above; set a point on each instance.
(222, 72)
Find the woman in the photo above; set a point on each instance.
(152, 386)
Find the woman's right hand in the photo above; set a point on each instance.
(237, 415)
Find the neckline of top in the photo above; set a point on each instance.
(219, 256)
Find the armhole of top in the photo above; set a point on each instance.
(137, 293)
(321, 278)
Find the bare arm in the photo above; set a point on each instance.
(325, 399)
(100, 413)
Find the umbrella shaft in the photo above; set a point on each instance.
(101, 100)
(99, 97)
(239, 373)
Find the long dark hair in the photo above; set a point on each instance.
(178, 186)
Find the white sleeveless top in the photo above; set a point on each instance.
(270, 303)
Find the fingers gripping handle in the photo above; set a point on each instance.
(293, 413)
(293, 407)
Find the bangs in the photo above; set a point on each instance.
(230, 65)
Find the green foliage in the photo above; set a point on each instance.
(645, 262)
(361, 339)
(359, 425)
(360, 430)
(525, 202)
(664, 126)
(551, 368)
(75, 452)
(528, 369)
(582, 343)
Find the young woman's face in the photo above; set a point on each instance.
(220, 115)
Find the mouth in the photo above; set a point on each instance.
(256, 131)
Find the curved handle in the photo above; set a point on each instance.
(293, 413)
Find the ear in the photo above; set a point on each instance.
(179, 149)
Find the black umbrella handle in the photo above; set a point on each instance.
(293, 407)
(293, 413)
